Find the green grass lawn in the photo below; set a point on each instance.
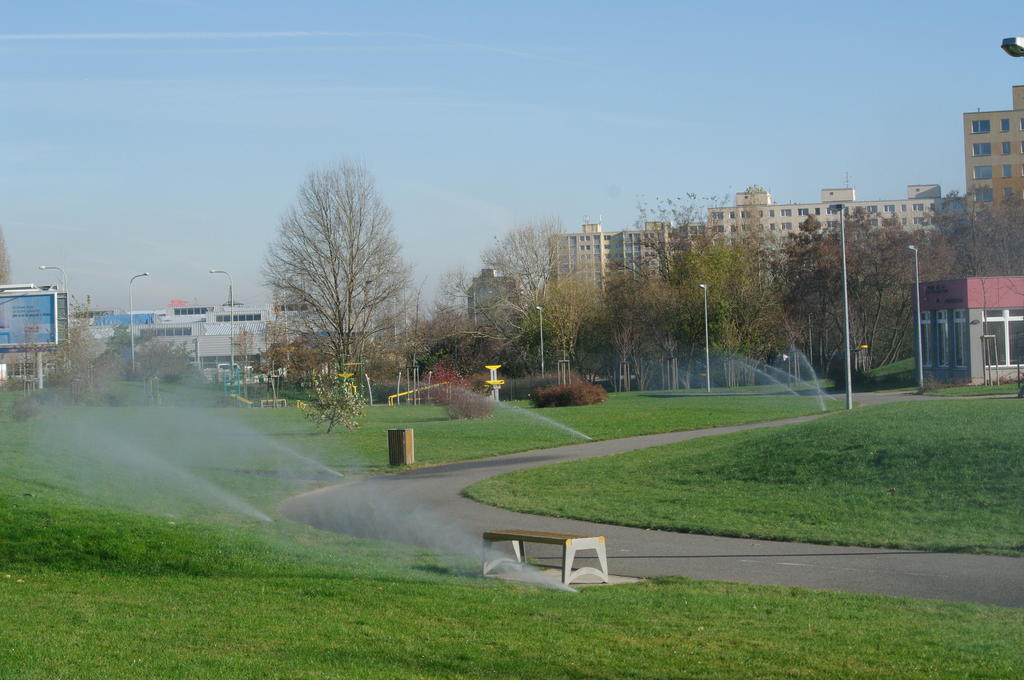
(955, 468)
(161, 459)
(125, 552)
(87, 593)
(974, 391)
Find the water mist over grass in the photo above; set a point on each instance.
(184, 462)
(532, 413)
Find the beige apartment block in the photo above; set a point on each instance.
(756, 212)
(597, 252)
(994, 152)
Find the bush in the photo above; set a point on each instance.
(334, 402)
(572, 394)
(462, 403)
(460, 396)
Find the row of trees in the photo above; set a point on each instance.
(336, 262)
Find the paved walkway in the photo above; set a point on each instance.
(425, 507)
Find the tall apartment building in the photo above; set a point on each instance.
(755, 211)
(598, 252)
(994, 152)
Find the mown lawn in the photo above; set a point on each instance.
(930, 475)
(87, 593)
(132, 545)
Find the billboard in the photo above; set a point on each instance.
(28, 318)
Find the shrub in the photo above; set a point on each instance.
(572, 394)
(457, 394)
(462, 403)
(334, 402)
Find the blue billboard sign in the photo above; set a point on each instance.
(28, 318)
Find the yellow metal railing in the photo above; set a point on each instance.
(241, 399)
(394, 397)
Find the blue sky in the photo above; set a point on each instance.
(169, 136)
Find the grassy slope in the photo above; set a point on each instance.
(955, 466)
(101, 595)
(91, 589)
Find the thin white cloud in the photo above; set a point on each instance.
(227, 35)
(244, 35)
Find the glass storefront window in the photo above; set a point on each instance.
(960, 337)
(926, 339)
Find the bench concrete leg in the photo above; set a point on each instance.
(518, 547)
(569, 555)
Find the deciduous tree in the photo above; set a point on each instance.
(336, 257)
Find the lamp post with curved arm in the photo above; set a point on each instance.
(231, 317)
(131, 317)
(707, 344)
(63, 275)
(541, 310)
(917, 319)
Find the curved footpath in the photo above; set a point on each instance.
(425, 507)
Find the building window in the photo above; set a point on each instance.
(918, 220)
(903, 207)
(1022, 123)
(771, 226)
(1007, 171)
(980, 127)
(982, 172)
(190, 311)
(771, 213)
(960, 336)
(1006, 148)
(983, 149)
(1006, 347)
(1007, 194)
(873, 223)
(246, 317)
(942, 336)
(165, 332)
(926, 339)
(718, 216)
(788, 212)
(889, 208)
(787, 226)
(1004, 124)
(983, 195)
(872, 208)
(919, 207)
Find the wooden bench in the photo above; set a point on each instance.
(570, 543)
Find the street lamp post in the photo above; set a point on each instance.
(231, 317)
(1013, 46)
(541, 310)
(917, 319)
(846, 305)
(707, 344)
(63, 276)
(131, 317)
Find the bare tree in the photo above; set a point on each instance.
(336, 258)
(529, 254)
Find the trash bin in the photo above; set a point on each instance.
(401, 450)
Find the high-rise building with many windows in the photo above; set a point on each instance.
(756, 212)
(595, 252)
(994, 152)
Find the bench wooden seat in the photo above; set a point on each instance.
(571, 543)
